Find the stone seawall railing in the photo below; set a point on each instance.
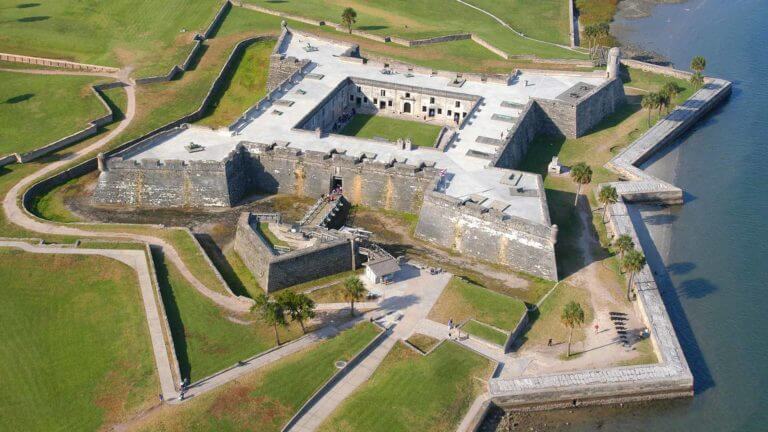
(40, 61)
(89, 131)
(671, 377)
(194, 52)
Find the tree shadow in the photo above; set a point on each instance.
(27, 5)
(33, 19)
(20, 98)
(172, 311)
(222, 265)
(696, 288)
(372, 27)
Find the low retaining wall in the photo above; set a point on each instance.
(89, 131)
(650, 67)
(40, 61)
(194, 52)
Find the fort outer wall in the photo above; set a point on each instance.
(275, 272)
(393, 186)
(488, 234)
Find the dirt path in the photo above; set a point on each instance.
(16, 214)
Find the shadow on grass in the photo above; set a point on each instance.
(372, 27)
(220, 261)
(172, 311)
(33, 19)
(20, 98)
(27, 5)
(117, 112)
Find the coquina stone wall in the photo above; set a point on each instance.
(275, 271)
(488, 234)
(392, 186)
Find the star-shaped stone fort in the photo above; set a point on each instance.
(466, 186)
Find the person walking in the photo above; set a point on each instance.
(550, 342)
(450, 328)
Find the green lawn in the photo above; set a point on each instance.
(39, 109)
(374, 126)
(411, 392)
(462, 300)
(144, 33)
(246, 86)
(422, 19)
(485, 332)
(206, 339)
(269, 236)
(546, 20)
(331, 294)
(546, 322)
(265, 400)
(76, 353)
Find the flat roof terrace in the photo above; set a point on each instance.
(464, 161)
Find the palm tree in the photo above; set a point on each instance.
(623, 244)
(348, 17)
(607, 196)
(270, 312)
(697, 79)
(632, 262)
(581, 173)
(671, 89)
(663, 101)
(353, 291)
(649, 102)
(299, 307)
(698, 64)
(572, 316)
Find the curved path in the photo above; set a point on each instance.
(509, 27)
(16, 214)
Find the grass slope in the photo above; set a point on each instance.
(411, 392)
(462, 300)
(487, 333)
(247, 85)
(266, 399)
(39, 109)
(540, 19)
(76, 353)
(422, 19)
(206, 339)
(373, 126)
(144, 33)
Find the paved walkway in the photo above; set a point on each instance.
(405, 303)
(138, 261)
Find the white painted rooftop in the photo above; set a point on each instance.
(469, 176)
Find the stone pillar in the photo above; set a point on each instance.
(612, 64)
(553, 235)
(102, 162)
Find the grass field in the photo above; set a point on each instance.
(247, 85)
(540, 19)
(374, 126)
(206, 339)
(76, 351)
(546, 321)
(44, 108)
(411, 392)
(485, 332)
(145, 33)
(265, 400)
(423, 19)
(462, 300)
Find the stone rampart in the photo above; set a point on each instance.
(488, 234)
(653, 68)
(276, 271)
(483, 43)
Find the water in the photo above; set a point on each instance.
(717, 252)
